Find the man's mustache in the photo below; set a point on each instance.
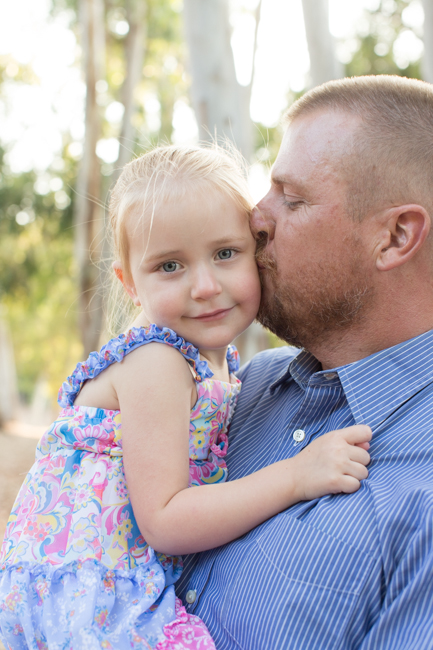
(263, 259)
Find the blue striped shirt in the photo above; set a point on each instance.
(344, 571)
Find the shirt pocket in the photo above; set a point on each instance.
(297, 587)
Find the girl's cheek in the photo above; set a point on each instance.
(252, 288)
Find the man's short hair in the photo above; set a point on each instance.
(390, 161)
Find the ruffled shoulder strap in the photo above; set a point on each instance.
(233, 359)
(116, 349)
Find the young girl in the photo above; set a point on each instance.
(90, 554)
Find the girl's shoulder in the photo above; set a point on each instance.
(117, 348)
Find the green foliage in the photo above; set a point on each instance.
(374, 54)
(37, 284)
(267, 143)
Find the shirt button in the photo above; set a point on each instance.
(190, 597)
(298, 435)
(330, 375)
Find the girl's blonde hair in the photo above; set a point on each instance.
(168, 173)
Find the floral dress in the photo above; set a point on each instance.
(75, 572)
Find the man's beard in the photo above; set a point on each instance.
(309, 307)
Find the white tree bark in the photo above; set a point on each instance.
(89, 213)
(8, 377)
(221, 105)
(427, 63)
(324, 65)
(134, 55)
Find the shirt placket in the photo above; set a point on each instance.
(321, 396)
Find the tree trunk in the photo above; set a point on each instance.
(323, 63)
(134, 54)
(8, 377)
(427, 63)
(89, 211)
(221, 105)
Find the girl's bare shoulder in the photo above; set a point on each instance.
(145, 368)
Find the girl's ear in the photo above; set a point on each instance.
(128, 286)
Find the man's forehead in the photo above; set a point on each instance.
(315, 140)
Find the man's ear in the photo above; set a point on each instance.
(128, 285)
(406, 228)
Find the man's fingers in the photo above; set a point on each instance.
(357, 434)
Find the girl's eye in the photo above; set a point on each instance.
(170, 267)
(226, 254)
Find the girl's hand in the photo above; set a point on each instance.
(335, 462)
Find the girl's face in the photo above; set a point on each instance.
(198, 275)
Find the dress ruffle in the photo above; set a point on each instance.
(117, 348)
(233, 359)
(84, 605)
(185, 631)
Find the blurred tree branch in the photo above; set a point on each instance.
(136, 14)
(89, 210)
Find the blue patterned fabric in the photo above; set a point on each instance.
(344, 571)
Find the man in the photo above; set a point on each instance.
(347, 265)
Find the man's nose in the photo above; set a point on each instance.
(205, 285)
(262, 224)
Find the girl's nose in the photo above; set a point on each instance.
(262, 224)
(205, 285)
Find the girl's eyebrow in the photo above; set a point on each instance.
(228, 240)
(158, 256)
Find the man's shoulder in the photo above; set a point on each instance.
(261, 372)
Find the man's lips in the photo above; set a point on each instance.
(213, 315)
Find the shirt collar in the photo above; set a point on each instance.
(377, 385)
(301, 368)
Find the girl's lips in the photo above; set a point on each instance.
(214, 315)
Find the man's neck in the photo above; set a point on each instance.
(342, 348)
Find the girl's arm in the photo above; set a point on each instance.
(155, 388)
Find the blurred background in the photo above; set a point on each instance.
(87, 84)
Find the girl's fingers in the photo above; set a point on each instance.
(359, 455)
(357, 434)
(350, 484)
(363, 445)
(358, 471)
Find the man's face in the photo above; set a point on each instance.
(317, 275)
